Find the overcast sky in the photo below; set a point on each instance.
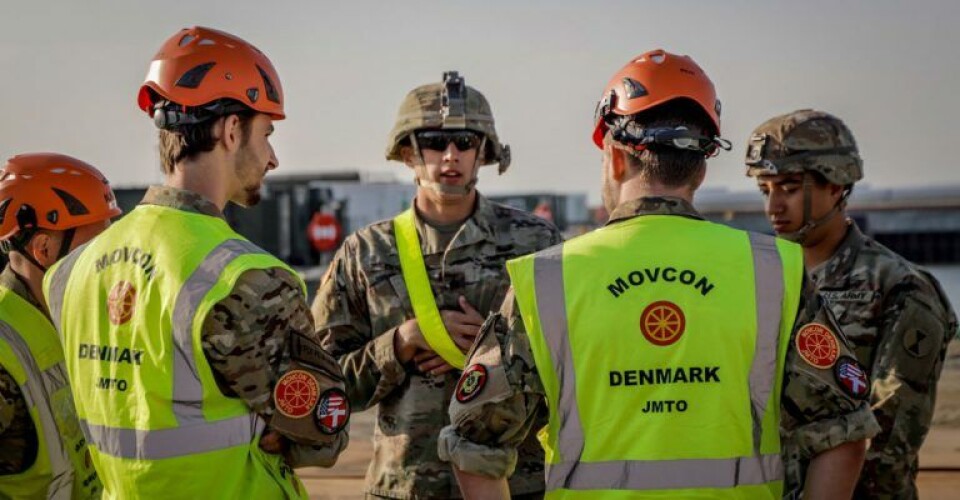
(70, 72)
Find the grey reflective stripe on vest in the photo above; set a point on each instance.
(573, 474)
(642, 475)
(175, 441)
(58, 286)
(552, 306)
(768, 289)
(194, 434)
(187, 388)
(37, 390)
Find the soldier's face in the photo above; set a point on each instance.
(783, 200)
(448, 167)
(451, 166)
(254, 159)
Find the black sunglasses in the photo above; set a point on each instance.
(438, 140)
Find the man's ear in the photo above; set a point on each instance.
(618, 162)
(836, 192)
(44, 248)
(231, 134)
(406, 154)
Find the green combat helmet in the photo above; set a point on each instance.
(801, 142)
(449, 105)
(805, 141)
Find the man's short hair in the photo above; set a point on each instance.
(187, 141)
(665, 165)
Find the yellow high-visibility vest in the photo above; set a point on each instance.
(130, 306)
(660, 341)
(30, 352)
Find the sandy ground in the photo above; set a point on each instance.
(939, 458)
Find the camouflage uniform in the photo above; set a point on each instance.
(816, 412)
(245, 336)
(18, 435)
(363, 300)
(899, 322)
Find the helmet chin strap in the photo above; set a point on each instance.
(800, 235)
(448, 190)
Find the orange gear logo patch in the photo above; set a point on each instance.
(662, 323)
(121, 302)
(296, 394)
(817, 345)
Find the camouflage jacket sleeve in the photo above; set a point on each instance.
(915, 329)
(245, 339)
(17, 433)
(10, 400)
(487, 425)
(367, 358)
(820, 412)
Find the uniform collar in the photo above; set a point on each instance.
(653, 205)
(180, 199)
(11, 281)
(477, 228)
(835, 270)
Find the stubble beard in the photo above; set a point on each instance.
(247, 171)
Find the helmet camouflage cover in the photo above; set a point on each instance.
(450, 105)
(805, 140)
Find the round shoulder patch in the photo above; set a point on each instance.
(333, 412)
(471, 383)
(817, 345)
(851, 377)
(916, 343)
(296, 393)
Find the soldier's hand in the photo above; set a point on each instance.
(430, 363)
(463, 327)
(408, 340)
(272, 442)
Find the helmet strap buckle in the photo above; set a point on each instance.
(756, 147)
(505, 160)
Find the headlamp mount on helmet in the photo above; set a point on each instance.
(453, 103)
(755, 157)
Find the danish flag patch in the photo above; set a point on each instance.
(851, 377)
(333, 412)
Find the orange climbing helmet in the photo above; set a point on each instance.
(652, 79)
(52, 191)
(200, 66)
